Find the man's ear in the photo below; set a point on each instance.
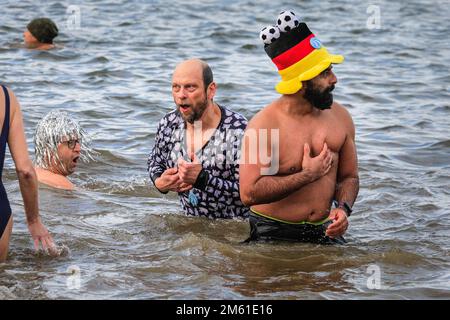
(303, 89)
(211, 92)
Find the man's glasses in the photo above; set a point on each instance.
(72, 143)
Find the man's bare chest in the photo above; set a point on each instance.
(293, 136)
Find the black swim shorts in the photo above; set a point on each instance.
(264, 228)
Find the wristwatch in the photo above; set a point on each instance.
(346, 207)
(202, 180)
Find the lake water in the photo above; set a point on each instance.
(126, 240)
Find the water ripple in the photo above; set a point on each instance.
(130, 241)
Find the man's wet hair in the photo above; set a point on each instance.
(207, 75)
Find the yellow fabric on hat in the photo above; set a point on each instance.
(307, 68)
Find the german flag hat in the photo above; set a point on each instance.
(296, 51)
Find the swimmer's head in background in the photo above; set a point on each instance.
(43, 29)
(53, 129)
(296, 51)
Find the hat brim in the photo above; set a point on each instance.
(295, 84)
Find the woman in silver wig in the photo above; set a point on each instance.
(59, 143)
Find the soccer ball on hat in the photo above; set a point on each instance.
(287, 20)
(269, 34)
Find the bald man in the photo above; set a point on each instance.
(197, 147)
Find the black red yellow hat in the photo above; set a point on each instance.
(299, 56)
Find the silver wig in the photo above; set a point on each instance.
(52, 130)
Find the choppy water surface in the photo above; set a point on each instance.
(129, 241)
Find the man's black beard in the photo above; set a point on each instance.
(196, 114)
(319, 99)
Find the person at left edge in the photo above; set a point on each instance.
(197, 147)
(13, 136)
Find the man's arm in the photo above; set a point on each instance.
(347, 180)
(156, 160)
(269, 189)
(194, 174)
(347, 184)
(164, 179)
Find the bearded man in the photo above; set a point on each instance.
(310, 143)
(197, 147)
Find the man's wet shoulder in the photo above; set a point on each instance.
(233, 119)
(170, 119)
(266, 117)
